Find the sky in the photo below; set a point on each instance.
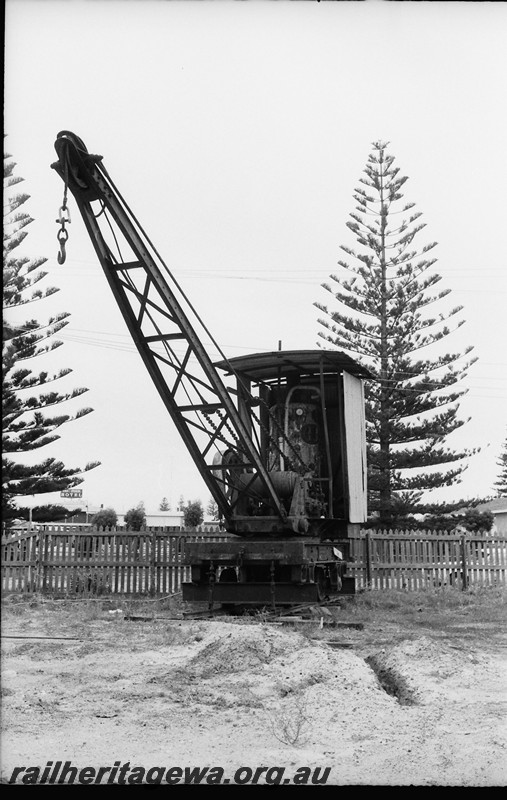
(237, 133)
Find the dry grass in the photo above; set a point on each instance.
(390, 616)
(383, 614)
(446, 604)
(90, 621)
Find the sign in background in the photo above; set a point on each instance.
(72, 493)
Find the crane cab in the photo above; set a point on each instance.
(305, 409)
(311, 431)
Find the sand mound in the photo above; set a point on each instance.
(234, 648)
(318, 664)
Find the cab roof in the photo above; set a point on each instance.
(284, 363)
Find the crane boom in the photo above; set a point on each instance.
(152, 304)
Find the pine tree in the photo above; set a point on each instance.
(411, 406)
(212, 509)
(25, 426)
(164, 505)
(501, 483)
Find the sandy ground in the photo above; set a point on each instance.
(246, 694)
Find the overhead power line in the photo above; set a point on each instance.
(311, 270)
(434, 386)
(71, 331)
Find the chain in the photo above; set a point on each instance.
(225, 425)
(63, 220)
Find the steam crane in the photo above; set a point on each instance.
(278, 437)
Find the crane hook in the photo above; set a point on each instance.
(62, 237)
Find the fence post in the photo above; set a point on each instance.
(152, 561)
(118, 575)
(464, 566)
(39, 563)
(368, 560)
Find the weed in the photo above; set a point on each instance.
(47, 706)
(89, 611)
(262, 615)
(311, 630)
(88, 649)
(15, 608)
(118, 676)
(22, 649)
(291, 724)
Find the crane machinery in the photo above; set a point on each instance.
(278, 437)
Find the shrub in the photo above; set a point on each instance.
(193, 514)
(105, 518)
(135, 518)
